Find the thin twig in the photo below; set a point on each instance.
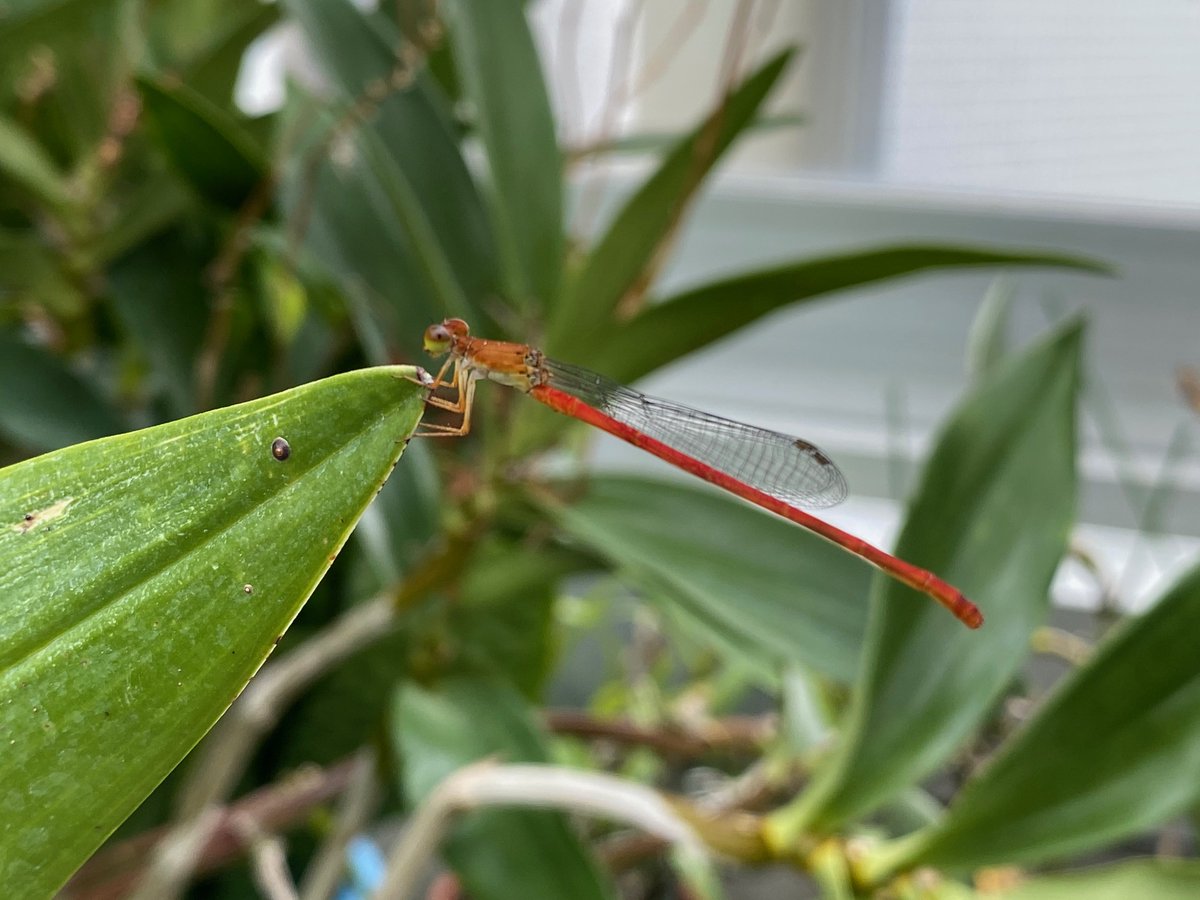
(325, 872)
(736, 734)
(113, 871)
(269, 861)
(489, 784)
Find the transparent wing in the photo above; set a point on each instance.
(786, 467)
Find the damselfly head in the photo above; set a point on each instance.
(439, 338)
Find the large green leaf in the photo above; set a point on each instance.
(501, 74)
(1117, 750)
(1160, 879)
(622, 258)
(498, 853)
(991, 516)
(768, 592)
(695, 318)
(43, 404)
(143, 580)
(204, 142)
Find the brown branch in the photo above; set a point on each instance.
(736, 734)
(115, 870)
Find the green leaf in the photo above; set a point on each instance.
(623, 257)
(1115, 751)
(213, 70)
(503, 621)
(695, 318)
(991, 516)
(358, 53)
(84, 47)
(204, 142)
(143, 580)
(25, 163)
(160, 296)
(988, 340)
(498, 853)
(43, 404)
(501, 74)
(768, 592)
(1160, 879)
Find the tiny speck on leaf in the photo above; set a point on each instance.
(280, 449)
(248, 588)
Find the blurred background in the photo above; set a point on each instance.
(1070, 125)
(203, 201)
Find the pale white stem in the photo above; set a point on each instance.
(490, 784)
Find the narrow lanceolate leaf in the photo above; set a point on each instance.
(498, 853)
(25, 163)
(1161, 879)
(144, 578)
(991, 516)
(359, 54)
(502, 76)
(764, 591)
(1116, 751)
(695, 318)
(624, 257)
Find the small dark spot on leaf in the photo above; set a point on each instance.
(280, 449)
(28, 517)
(248, 588)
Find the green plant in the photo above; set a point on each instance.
(171, 255)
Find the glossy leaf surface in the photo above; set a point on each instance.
(144, 578)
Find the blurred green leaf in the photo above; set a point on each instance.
(658, 142)
(501, 74)
(352, 239)
(991, 516)
(204, 142)
(359, 54)
(24, 162)
(403, 519)
(43, 404)
(65, 62)
(1160, 879)
(144, 578)
(498, 853)
(766, 591)
(159, 294)
(406, 210)
(988, 340)
(503, 618)
(694, 319)
(623, 257)
(1115, 751)
(213, 69)
(33, 274)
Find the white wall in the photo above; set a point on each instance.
(1094, 98)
